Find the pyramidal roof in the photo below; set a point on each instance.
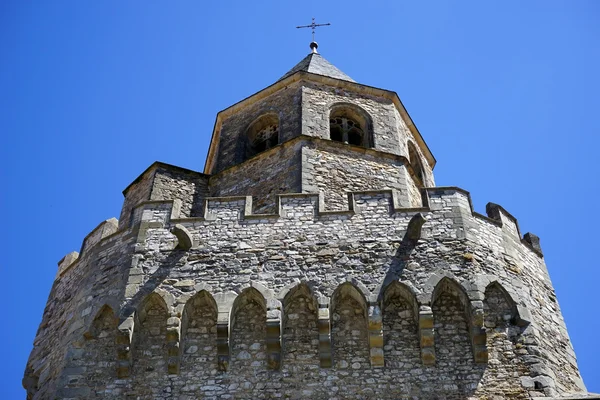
(316, 64)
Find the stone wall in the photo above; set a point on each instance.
(232, 140)
(300, 336)
(311, 166)
(506, 369)
(177, 183)
(149, 356)
(389, 130)
(162, 181)
(318, 99)
(77, 324)
(321, 277)
(273, 172)
(336, 169)
(139, 190)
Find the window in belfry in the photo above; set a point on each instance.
(349, 124)
(262, 134)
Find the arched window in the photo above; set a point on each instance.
(415, 162)
(349, 124)
(262, 134)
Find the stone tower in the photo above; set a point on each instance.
(313, 257)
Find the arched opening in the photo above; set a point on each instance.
(453, 350)
(199, 334)
(349, 333)
(400, 328)
(98, 356)
(300, 331)
(415, 163)
(350, 124)
(502, 335)
(149, 339)
(103, 325)
(451, 318)
(499, 310)
(249, 332)
(262, 134)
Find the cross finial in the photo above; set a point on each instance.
(313, 44)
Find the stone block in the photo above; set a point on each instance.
(480, 354)
(426, 321)
(184, 237)
(427, 338)
(533, 241)
(428, 356)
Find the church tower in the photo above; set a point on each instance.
(316, 130)
(313, 257)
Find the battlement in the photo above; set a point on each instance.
(256, 320)
(233, 291)
(450, 205)
(104, 230)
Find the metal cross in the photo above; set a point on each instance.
(313, 26)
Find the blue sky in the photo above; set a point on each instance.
(504, 93)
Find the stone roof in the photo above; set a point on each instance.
(316, 64)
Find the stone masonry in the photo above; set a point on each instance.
(315, 268)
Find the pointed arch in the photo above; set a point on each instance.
(149, 340)
(350, 289)
(265, 293)
(447, 285)
(349, 329)
(502, 335)
(249, 331)
(499, 307)
(289, 290)
(400, 327)
(451, 318)
(403, 291)
(153, 301)
(248, 294)
(300, 330)
(299, 289)
(98, 355)
(104, 319)
(199, 335)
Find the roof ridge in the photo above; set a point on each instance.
(317, 64)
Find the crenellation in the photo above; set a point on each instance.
(103, 230)
(533, 242)
(508, 222)
(138, 191)
(66, 262)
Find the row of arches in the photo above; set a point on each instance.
(348, 124)
(351, 323)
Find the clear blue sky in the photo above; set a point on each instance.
(506, 95)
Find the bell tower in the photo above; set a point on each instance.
(318, 130)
